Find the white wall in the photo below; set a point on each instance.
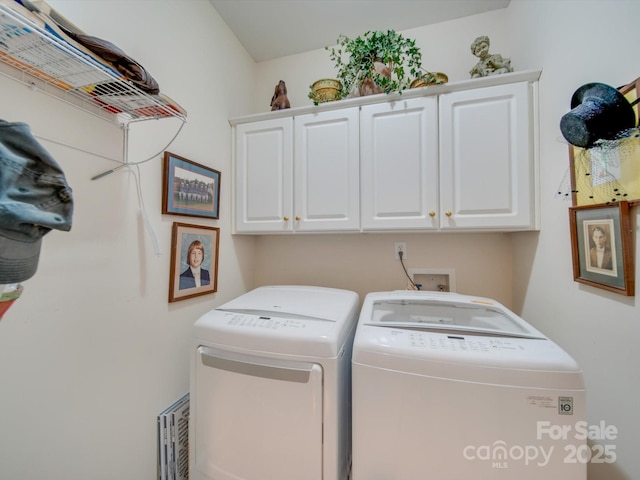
(365, 263)
(442, 51)
(92, 351)
(578, 43)
(574, 42)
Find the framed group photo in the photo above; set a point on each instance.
(601, 247)
(189, 189)
(194, 261)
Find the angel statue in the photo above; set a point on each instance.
(488, 64)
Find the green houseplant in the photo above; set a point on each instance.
(385, 59)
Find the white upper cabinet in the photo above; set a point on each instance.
(487, 158)
(326, 171)
(399, 164)
(459, 156)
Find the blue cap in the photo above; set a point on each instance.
(34, 199)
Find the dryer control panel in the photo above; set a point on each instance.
(263, 321)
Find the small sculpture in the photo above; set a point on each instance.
(279, 101)
(488, 64)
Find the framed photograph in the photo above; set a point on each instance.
(194, 261)
(601, 247)
(189, 189)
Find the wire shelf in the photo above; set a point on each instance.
(32, 54)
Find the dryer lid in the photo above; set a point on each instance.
(296, 301)
(451, 313)
(282, 320)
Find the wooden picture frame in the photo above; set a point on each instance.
(609, 226)
(189, 189)
(201, 242)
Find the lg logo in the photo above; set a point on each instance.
(565, 405)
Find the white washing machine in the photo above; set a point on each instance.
(455, 387)
(270, 386)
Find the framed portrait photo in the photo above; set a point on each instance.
(189, 189)
(194, 261)
(601, 247)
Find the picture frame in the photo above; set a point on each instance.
(202, 242)
(189, 189)
(606, 226)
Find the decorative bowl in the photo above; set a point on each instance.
(325, 90)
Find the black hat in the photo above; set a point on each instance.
(599, 112)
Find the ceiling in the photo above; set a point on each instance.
(271, 29)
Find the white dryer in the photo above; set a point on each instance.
(270, 386)
(454, 387)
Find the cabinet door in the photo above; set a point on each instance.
(487, 176)
(263, 176)
(399, 164)
(326, 171)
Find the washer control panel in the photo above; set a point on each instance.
(460, 343)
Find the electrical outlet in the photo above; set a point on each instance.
(400, 247)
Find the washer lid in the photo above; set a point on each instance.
(445, 312)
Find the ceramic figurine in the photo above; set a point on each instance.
(279, 101)
(369, 86)
(488, 64)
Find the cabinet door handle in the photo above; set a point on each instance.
(286, 218)
(448, 213)
(432, 214)
(297, 218)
